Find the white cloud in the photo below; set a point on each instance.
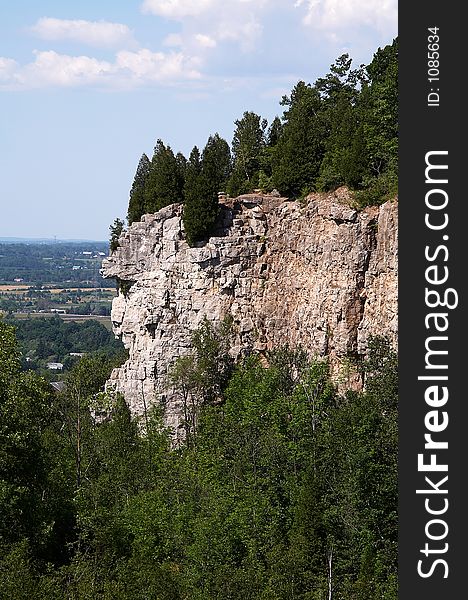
(246, 33)
(145, 65)
(129, 69)
(93, 33)
(205, 40)
(332, 15)
(238, 21)
(265, 30)
(177, 9)
(8, 68)
(53, 69)
(243, 22)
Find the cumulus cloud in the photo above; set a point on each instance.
(8, 68)
(51, 69)
(205, 40)
(145, 65)
(333, 15)
(207, 23)
(93, 33)
(243, 22)
(177, 9)
(209, 32)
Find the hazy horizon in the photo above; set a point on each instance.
(19, 239)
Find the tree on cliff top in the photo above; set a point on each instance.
(216, 164)
(136, 206)
(346, 159)
(164, 183)
(248, 146)
(205, 176)
(298, 154)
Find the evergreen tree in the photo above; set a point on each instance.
(345, 159)
(379, 106)
(116, 230)
(192, 185)
(248, 146)
(382, 123)
(182, 166)
(136, 204)
(205, 177)
(298, 154)
(215, 164)
(164, 184)
(274, 132)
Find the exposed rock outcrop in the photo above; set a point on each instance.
(319, 274)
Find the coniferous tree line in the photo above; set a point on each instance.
(341, 130)
(284, 490)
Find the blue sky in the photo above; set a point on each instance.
(87, 87)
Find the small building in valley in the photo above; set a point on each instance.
(55, 366)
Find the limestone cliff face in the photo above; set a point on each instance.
(320, 275)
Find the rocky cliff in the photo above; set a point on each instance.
(318, 274)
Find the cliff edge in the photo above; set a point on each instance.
(317, 274)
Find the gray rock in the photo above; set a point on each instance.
(323, 276)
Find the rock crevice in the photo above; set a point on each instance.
(319, 274)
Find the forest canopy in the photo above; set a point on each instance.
(284, 489)
(340, 130)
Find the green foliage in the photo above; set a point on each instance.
(164, 182)
(116, 230)
(379, 104)
(34, 507)
(248, 146)
(202, 376)
(53, 339)
(299, 151)
(381, 124)
(341, 130)
(38, 264)
(215, 164)
(136, 206)
(285, 489)
(378, 189)
(17, 579)
(274, 132)
(345, 158)
(205, 176)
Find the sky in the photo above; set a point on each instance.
(86, 87)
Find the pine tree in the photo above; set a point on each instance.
(274, 132)
(205, 177)
(182, 166)
(298, 154)
(216, 164)
(381, 127)
(248, 145)
(379, 107)
(116, 230)
(136, 204)
(345, 159)
(192, 185)
(164, 184)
